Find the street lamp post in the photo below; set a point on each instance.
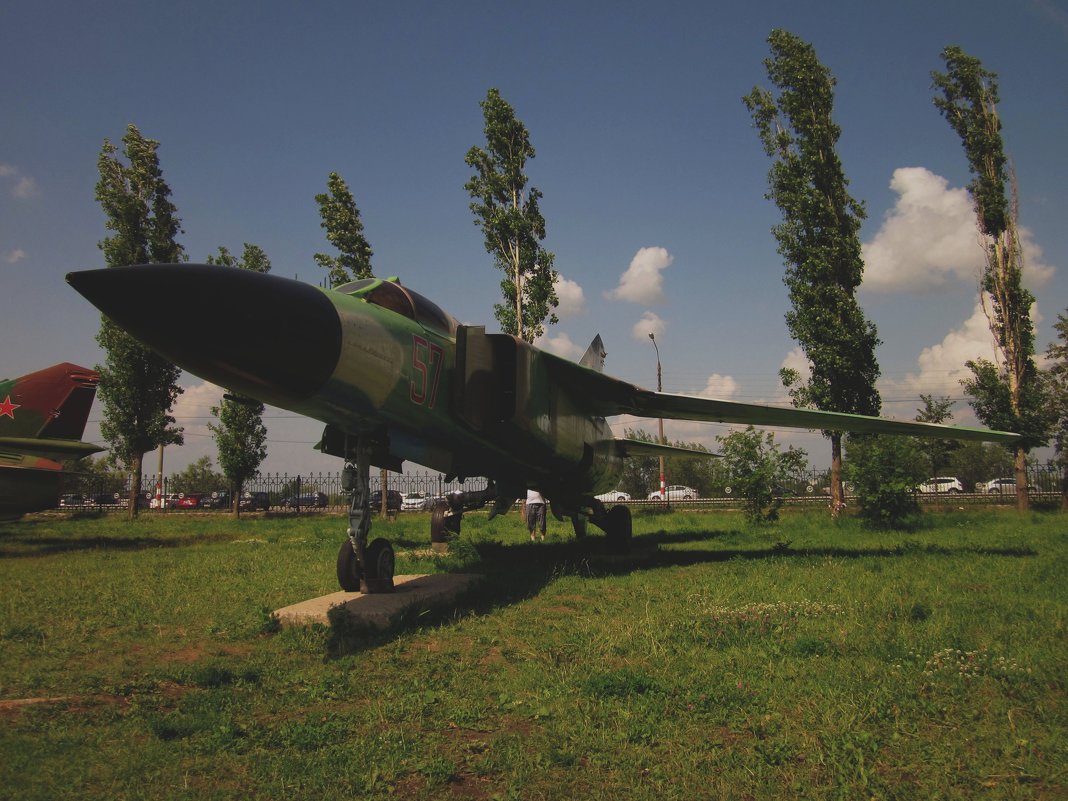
(659, 388)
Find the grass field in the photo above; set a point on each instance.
(804, 660)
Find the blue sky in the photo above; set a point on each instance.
(648, 163)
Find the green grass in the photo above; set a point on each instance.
(803, 660)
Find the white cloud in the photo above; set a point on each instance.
(929, 240)
(560, 345)
(649, 324)
(26, 187)
(15, 256)
(942, 366)
(643, 282)
(192, 411)
(7, 169)
(720, 387)
(571, 297)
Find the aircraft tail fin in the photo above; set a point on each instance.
(52, 403)
(593, 358)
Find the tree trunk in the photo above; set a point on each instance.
(837, 495)
(235, 499)
(1023, 498)
(135, 483)
(1064, 489)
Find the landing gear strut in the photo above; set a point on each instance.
(616, 524)
(363, 567)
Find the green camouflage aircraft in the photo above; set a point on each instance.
(395, 378)
(42, 417)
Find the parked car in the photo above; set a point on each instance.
(255, 501)
(220, 499)
(998, 486)
(394, 500)
(941, 484)
(615, 496)
(169, 501)
(310, 500)
(73, 500)
(413, 502)
(676, 492)
(189, 500)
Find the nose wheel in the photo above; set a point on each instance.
(363, 567)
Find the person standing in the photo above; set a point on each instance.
(535, 513)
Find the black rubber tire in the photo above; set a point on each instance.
(348, 568)
(438, 533)
(618, 528)
(379, 560)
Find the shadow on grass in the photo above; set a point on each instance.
(517, 572)
(30, 546)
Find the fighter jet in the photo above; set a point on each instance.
(42, 417)
(395, 378)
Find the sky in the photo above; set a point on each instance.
(653, 177)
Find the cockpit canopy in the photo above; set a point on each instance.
(389, 294)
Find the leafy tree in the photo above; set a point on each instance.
(137, 387)
(197, 477)
(938, 451)
(818, 238)
(641, 474)
(977, 462)
(252, 258)
(705, 474)
(1057, 375)
(511, 221)
(1007, 395)
(884, 471)
(757, 468)
(344, 230)
(241, 436)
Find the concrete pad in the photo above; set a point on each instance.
(381, 610)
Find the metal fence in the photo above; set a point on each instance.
(281, 491)
(273, 491)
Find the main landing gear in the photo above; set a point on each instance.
(363, 567)
(615, 523)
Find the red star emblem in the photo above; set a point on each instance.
(7, 408)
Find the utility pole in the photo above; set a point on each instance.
(659, 388)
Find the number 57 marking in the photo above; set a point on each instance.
(426, 371)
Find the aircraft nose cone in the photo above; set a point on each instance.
(272, 338)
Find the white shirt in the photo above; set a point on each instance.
(533, 496)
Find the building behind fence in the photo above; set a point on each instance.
(323, 490)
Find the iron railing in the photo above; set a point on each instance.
(281, 491)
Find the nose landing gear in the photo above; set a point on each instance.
(363, 567)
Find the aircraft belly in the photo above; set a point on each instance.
(24, 489)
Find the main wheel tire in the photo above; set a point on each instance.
(618, 528)
(379, 563)
(348, 568)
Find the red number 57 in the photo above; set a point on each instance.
(426, 371)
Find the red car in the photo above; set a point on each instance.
(188, 500)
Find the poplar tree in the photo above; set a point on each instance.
(1007, 394)
(344, 230)
(1057, 375)
(511, 221)
(137, 387)
(818, 239)
(240, 436)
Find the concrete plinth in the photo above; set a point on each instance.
(381, 610)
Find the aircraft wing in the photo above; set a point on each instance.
(59, 450)
(636, 447)
(605, 396)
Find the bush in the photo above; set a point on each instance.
(884, 471)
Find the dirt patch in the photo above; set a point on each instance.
(73, 703)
